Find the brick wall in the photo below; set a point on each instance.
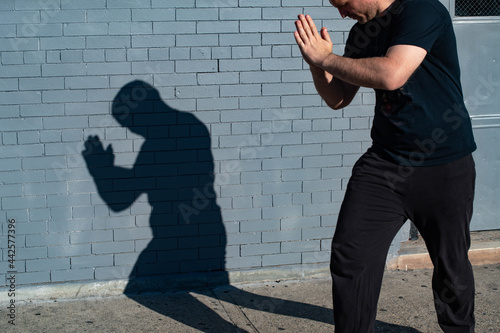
(281, 158)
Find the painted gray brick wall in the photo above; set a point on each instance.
(281, 158)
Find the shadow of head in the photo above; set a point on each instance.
(138, 105)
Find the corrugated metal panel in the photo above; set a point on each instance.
(479, 52)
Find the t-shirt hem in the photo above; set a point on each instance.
(403, 161)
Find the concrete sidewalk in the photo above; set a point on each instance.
(292, 306)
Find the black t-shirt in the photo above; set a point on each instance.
(425, 122)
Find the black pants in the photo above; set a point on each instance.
(380, 197)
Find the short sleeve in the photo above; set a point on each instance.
(420, 23)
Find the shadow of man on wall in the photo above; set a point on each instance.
(175, 168)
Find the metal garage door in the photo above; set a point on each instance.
(478, 37)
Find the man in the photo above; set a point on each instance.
(420, 165)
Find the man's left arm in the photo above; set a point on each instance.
(389, 72)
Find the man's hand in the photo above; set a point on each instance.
(315, 47)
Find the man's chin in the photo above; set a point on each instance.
(360, 19)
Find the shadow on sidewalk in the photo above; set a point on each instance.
(175, 169)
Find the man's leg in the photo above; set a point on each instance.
(441, 200)
(370, 217)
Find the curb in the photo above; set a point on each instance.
(477, 257)
(485, 250)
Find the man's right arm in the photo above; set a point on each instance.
(336, 93)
